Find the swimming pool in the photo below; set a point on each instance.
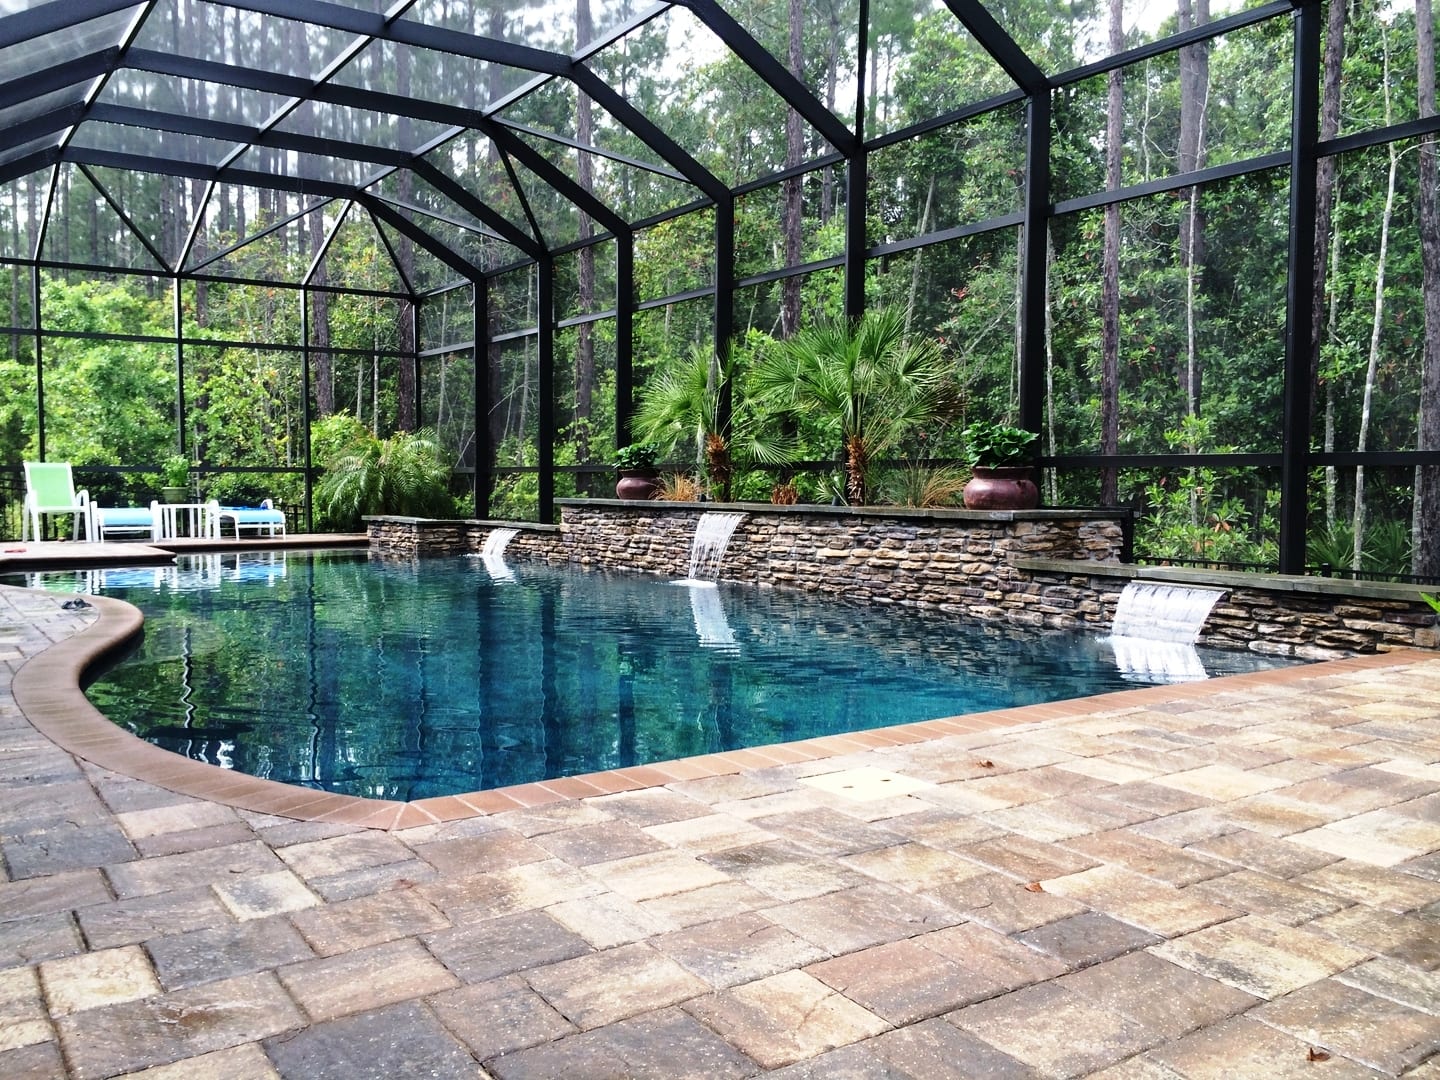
(411, 680)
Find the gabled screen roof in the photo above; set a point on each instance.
(486, 134)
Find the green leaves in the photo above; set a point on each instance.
(864, 382)
(403, 474)
(989, 444)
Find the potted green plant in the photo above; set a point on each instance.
(175, 479)
(1000, 472)
(639, 478)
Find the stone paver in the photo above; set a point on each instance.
(75, 983)
(1260, 957)
(1078, 1035)
(599, 989)
(786, 1017)
(1365, 1028)
(1242, 882)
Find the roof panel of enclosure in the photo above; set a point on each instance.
(496, 133)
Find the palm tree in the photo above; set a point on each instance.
(683, 402)
(863, 381)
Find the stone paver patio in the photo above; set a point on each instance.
(1238, 881)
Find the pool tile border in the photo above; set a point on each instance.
(47, 692)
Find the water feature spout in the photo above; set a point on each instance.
(496, 542)
(1155, 629)
(1160, 612)
(493, 554)
(707, 550)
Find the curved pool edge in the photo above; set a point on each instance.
(47, 692)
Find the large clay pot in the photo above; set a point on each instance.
(1003, 487)
(638, 484)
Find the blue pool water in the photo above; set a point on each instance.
(408, 680)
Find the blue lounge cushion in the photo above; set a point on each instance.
(120, 516)
(254, 515)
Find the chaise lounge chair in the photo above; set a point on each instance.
(141, 520)
(50, 489)
(255, 518)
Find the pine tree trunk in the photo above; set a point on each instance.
(1425, 558)
(790, 218)
(1376, 326)
(324, 380)
(1325, 182)
(918, 257)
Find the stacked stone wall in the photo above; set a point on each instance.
(1045, 569)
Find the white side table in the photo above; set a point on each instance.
(187, 519)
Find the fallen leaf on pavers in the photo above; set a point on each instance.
(1317, 1055)
(1034, 886)
(985, 763)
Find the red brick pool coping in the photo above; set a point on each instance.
(47, 692)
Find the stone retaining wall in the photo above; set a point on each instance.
(1046, 568)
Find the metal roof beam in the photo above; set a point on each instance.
(774, 74)
(467, 201)
(46, 19)
(37, 127)
(542, 167)
(407, 32)
(576, 144)
(240, 133)
(999, 44)
(290, 86)
(400, 223)
(82, 69)
(608, 99)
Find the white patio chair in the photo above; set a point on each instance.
(50, 489)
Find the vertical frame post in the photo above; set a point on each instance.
(37, 315)
(624, 335)
(857, 179)
(1299, 290)
(305, 410)
(484, 449)
(1033, 270)
(545, 409)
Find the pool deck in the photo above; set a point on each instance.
(1234, 879)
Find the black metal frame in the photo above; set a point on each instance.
(516, 144)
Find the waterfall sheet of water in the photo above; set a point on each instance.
(1157, 662)
(707, 550)
(496, 542)
(1155, 628)
(1156, 611)
(493, 554)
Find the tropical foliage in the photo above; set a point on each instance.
(403, 474)
(863, 384)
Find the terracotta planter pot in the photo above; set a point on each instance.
(638, 484)
(1003, 487)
